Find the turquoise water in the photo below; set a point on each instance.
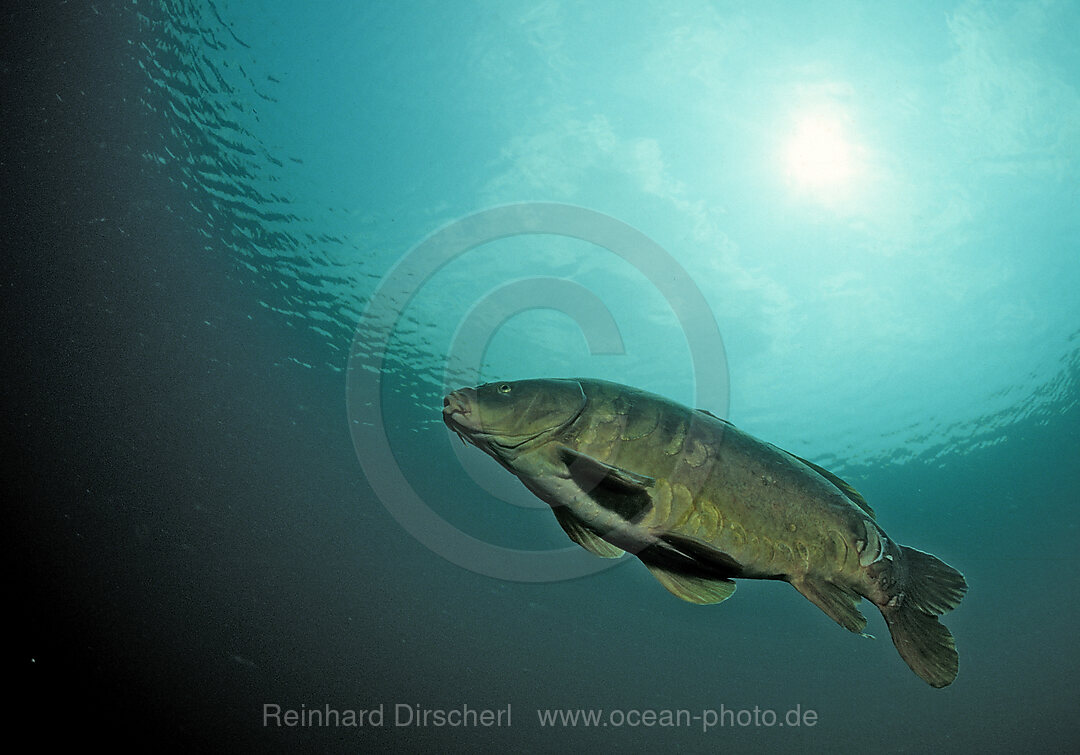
(267, 238)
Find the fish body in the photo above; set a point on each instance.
(702, 503)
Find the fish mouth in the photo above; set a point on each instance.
(458, 412)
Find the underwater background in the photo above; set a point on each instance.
(252, 244)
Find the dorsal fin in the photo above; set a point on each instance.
(845, 488)
(706, 411)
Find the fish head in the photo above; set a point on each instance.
(504, 418)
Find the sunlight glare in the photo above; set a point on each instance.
(819, 154)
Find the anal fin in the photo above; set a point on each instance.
(837, 603)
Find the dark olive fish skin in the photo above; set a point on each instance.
(701, 503)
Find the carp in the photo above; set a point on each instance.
(701, 503)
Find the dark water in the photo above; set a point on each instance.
(203, 203)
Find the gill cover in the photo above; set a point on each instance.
(513, 412)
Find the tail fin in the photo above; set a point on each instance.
(931, 587)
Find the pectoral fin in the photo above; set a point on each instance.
(579, 532)
(618, 490)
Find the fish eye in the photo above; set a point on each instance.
(504, 388)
